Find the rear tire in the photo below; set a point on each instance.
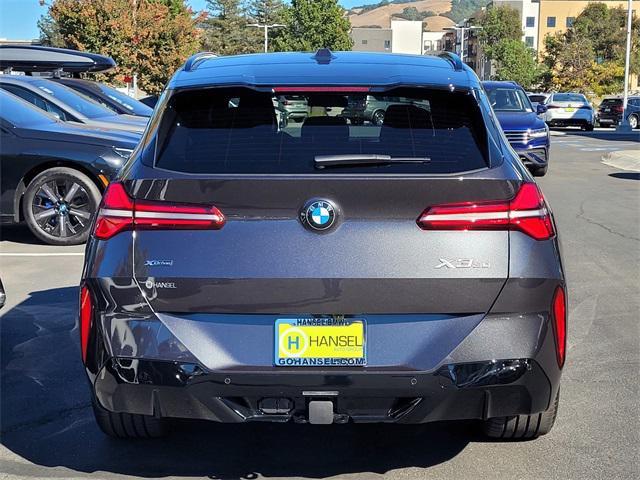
(633, 121)
(521, 427)
(40, 206)
(128, 425)
(588, 127)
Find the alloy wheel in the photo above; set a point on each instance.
(62, 208)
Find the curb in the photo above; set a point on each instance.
(623, 159)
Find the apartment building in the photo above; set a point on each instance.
(558, 15)
(402, 37)
(371, 39)
(529, 17)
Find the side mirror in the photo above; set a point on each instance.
(540, 109)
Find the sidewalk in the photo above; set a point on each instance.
(623, 159)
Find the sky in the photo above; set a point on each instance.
(19, 18)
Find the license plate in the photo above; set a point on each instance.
(607, 109)
(570, 109)
(324, 342)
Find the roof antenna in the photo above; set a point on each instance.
(324, 56)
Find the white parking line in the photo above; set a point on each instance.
(53, 254)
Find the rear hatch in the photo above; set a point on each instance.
(223, 148)
(610, 107)
(568, 103)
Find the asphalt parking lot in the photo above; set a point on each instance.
(47, 429)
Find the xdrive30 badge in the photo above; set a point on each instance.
(318, 215)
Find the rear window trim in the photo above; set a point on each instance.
(374, 89)
(312, 176)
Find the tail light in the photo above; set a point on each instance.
(618, 109)
(527, 212)
(120, 212)
(585, 107)
(86, 314)
(559, 315)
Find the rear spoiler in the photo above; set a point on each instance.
(34, 58)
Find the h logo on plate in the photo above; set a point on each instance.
(293, 341)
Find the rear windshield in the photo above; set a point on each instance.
(240, 130)
(569, 97)
(611, 101)
(74, 99)
(131, 104)
(537, 98)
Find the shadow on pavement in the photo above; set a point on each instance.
(626, 175)
(45, 418)
(18, 234)
(609, 135)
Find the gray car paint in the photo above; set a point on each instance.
(376, 264)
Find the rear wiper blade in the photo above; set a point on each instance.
(322, 161)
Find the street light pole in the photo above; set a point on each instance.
(266, 32)
(624, 124)
(463, 31)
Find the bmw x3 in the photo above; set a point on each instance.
(323, 272)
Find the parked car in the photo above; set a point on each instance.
(292, 108)
(53, 173)
(537, 99)
(408, 272)
(107, 96)
(610, 111)
(527, 133)
(368, 108)
(569, 110)
(67, 104)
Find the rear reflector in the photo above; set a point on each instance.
(559, 312)
(86, 312)
(527, 213)
(120, 212)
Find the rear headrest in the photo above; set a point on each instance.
(325, 128)
(406, 116)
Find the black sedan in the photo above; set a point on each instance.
(54, 173)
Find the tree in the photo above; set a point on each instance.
(314, 24)
(265, 12)
(605, 28)
(499, 23)
(150, 38)
(589, 57)
(515, 61)
(226, 30)
(412, 13)
(461, 9)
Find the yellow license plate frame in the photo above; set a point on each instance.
(320, 342)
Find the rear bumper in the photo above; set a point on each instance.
(609, 119)
(453, 392)
(576, 121)
(465, 384)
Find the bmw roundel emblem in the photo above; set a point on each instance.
(319, 214)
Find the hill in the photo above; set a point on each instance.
(380, 14)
